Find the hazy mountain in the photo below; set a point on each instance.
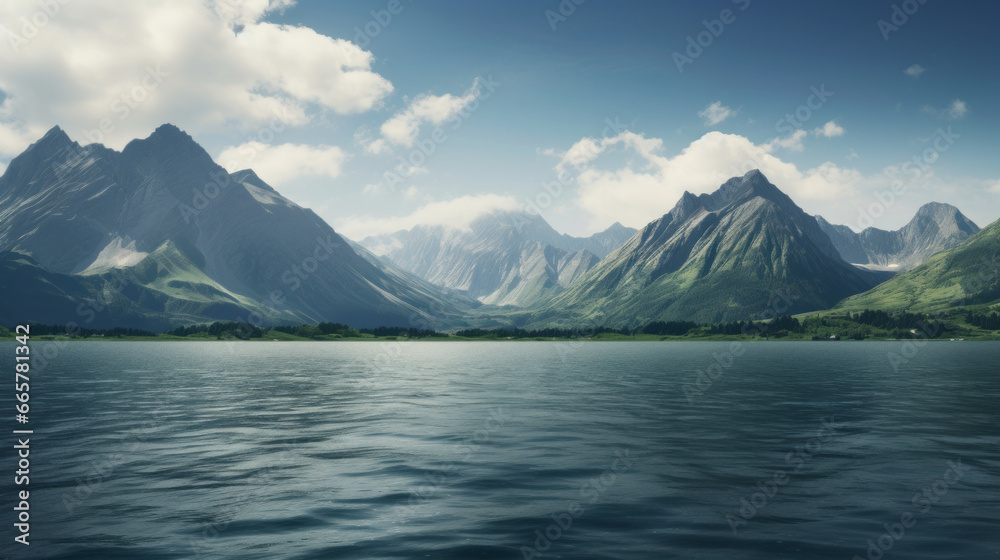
(164, 213)
(734, 254)
(935, 227)
(967, 275)
(502, 258)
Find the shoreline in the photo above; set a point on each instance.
(641, 338)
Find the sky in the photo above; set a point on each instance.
(381, 115)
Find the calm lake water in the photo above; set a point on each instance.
(435, 450)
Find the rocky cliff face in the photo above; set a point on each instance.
(502, 258)
(935, 227)
(735, 254)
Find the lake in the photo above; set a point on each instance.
(575, 450)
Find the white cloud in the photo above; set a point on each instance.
(915, 71)
(651, 182)
(457, 213)
(853, 154)
(202, 65)
(956, 110)
(643, 191)
(402, 128)
(791, 143)
(716, 113)
(285, 162)
(829, 130)
(239, 13)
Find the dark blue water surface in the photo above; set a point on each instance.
(438, 450)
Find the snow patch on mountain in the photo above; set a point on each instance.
(119, 253)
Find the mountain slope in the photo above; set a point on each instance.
(502, 258)
(87, 210)
(934, 228)
(967, 275)
(117, 298)
(734, 254)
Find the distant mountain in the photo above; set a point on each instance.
(965, 276)
(600, 244)
(935, 227)
(735, 254)
(196, 242)
(502, 258)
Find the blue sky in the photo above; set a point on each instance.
(562, 80)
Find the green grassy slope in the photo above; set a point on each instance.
(967, 276)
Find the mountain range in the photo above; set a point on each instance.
(501, 258)
(935, 227)
(966, 276)
(191, 241)
(158, 235)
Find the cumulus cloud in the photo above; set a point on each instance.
(402, 128)
(113, 71)
(648, 188)
(716, 113)
(239, 13)
(995, 187)
(650, 182)
(457, 213)
(829, 130)
(285, 162)
(915, 71)
(956, 110)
